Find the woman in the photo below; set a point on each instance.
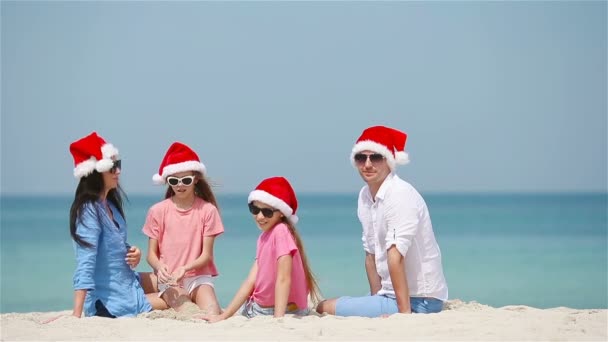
(104, 281)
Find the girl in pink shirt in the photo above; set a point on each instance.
(280, 279)
(181, 230)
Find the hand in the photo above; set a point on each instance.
(52, 319)
(163, 274)
(179, 273)
(133, 256)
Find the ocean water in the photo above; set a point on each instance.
(544, 250)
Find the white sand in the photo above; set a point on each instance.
(460, 321)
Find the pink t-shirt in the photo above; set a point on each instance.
(273, 244)
(180, 233)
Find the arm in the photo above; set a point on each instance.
(205, 257)
(372, 273)
(367, 238)
(79, 296)
(89, 230)
(153, 259)
(396, 268)
(239, 298)
(402, 222)
(133, 256)
(282, 285)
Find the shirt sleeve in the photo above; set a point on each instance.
(366, 244)
(284, 242)
(213, 222)
(402, 220)
(152, 225)
(89, 230)
(362, 214)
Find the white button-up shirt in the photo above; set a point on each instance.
(399, 216)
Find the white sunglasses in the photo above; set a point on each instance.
(186, 181)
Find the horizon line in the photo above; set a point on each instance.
(316, 193)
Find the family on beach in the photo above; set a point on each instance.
(402, 257)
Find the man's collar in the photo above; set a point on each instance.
(383, 188)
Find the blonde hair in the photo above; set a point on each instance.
(311, 282)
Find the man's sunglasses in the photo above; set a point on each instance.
(116, 165)
(361, 158)
(267, 212)
(186, 181)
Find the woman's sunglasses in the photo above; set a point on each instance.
(116, 165)
(186, 181)
(361, 158)
(267, 212)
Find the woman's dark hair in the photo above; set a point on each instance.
(202, 189)
(88, 190)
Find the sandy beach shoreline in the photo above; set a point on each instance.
(459, 321)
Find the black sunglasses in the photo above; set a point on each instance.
(361, 158)
(267, 212)
(116, 165)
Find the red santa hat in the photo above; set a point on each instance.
(386, 141)
(179, 158)
(277, 193)
(92, 153)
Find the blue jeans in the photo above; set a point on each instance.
(378, 305)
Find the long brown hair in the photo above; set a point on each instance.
(315, 292)
(202, 189)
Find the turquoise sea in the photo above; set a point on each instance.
(542, 250)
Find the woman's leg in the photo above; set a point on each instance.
(148, 282)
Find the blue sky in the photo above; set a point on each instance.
(495, 96)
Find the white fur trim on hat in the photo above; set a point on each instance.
(275, 202)
(179, 167)
(104, 165)
(108, 151)
(368, 145)
(85, 168)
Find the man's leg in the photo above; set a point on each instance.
(366, 306)
(426, 305)
(328, 306)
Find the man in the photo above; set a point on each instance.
(402, 258)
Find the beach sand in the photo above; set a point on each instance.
(459, 321)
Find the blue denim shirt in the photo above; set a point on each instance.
(102, 269)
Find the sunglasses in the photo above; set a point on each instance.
(361, 158)
(267, 212)
(186, 181)
(116, 165)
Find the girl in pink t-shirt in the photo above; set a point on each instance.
(181, 230)
(280, 279)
